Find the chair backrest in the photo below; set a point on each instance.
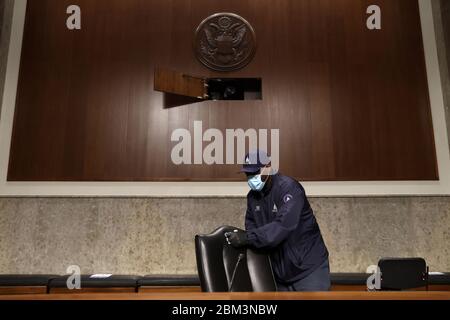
(260, 271)
(222, 268)
(403, 273)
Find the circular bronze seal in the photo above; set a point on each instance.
(225, 42)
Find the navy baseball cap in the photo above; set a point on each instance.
(254, 161)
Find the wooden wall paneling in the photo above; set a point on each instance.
(351, 104)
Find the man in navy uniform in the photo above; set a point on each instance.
(280, 221)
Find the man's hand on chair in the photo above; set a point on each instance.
(237, 238)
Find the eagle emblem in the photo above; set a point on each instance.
(225, 42)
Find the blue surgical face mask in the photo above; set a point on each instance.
(255, 182)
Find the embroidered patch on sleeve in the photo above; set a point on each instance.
(287, 198)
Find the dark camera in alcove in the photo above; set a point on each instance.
(234, 89)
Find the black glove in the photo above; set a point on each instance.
(237, 238)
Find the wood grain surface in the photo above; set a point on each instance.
(420, 295)
(351, 104)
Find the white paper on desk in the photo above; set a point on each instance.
(100, 276)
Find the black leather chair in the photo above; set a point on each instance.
(114, 283)
(158, 280)
(169, 283)
(25, 284)
(403, 273)
(222, 268)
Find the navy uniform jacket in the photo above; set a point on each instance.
(281, 221)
